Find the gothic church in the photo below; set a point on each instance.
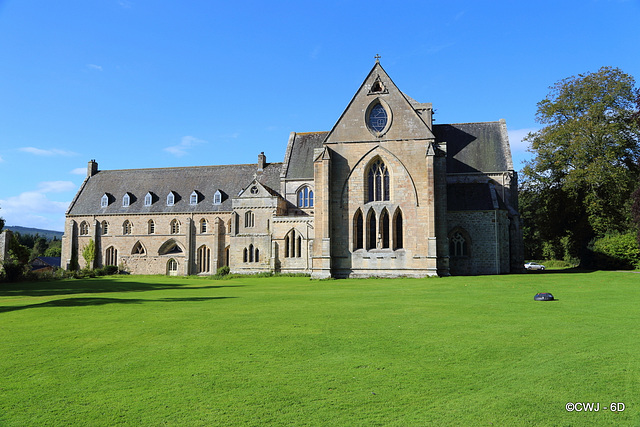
(385, 192)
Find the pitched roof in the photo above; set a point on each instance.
(205, 180)
(473, 197)
(300, 155)
(475, 147)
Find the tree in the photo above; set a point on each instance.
(40, 246)
(586, 158)
(89, 253)
(1, 223)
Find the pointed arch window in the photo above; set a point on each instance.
(111, 256)
(148, 199)
(293, 244)
(170, 247)
(193, 200)
(305, 197)
(203, 226)
(104, 225)
(126, 200)
(104, 201)
(217, 198)
(250, 253)
(174, 226)
(384, 229)
(138, 249)
(398, 231)
(378, 185)
(249, 219)
(204, 259)
(358, 231)
(371, 230)
(84, 228)
(151, 227)
(126, 227)
(458, 245)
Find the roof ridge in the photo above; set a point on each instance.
(188, 167)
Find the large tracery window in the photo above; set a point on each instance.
(378, 182)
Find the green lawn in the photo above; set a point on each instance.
(149, 351)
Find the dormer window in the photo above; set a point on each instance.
(126, 200)
(193, 200)
(171, 199)
(217, 198)
(148, 199)
(104, 202)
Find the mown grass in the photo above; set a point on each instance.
(135, 350)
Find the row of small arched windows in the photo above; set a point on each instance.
(378, 232)
(127, 227)
(251, 254)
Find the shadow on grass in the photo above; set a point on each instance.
(91, 286)
(85, 302)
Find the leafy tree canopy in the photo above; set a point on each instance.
(586, 157)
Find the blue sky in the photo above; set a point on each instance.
(138, 84)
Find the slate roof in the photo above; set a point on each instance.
(205, 180)
(475, 147)
(300, 164)
(44, 261)
(473, 197)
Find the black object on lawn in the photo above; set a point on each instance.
(543, 296)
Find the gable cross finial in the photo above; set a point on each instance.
(377, 58)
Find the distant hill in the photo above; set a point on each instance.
(47, 234)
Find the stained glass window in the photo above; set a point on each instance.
(378, 118)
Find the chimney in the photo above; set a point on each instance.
(262, 161)
(92, 168)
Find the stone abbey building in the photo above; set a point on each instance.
(385, 192)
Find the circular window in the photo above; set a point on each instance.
(254, 190)
(378, 118)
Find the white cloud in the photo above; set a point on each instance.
(186, 144)
(51, 152)
(35, 209)
(94, 67)
(79, 171)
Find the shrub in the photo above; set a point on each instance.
(616, 251)
(223, 271)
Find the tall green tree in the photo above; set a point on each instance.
(585, 163)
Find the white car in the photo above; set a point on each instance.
(533, 266)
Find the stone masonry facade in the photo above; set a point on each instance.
(384, 193)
